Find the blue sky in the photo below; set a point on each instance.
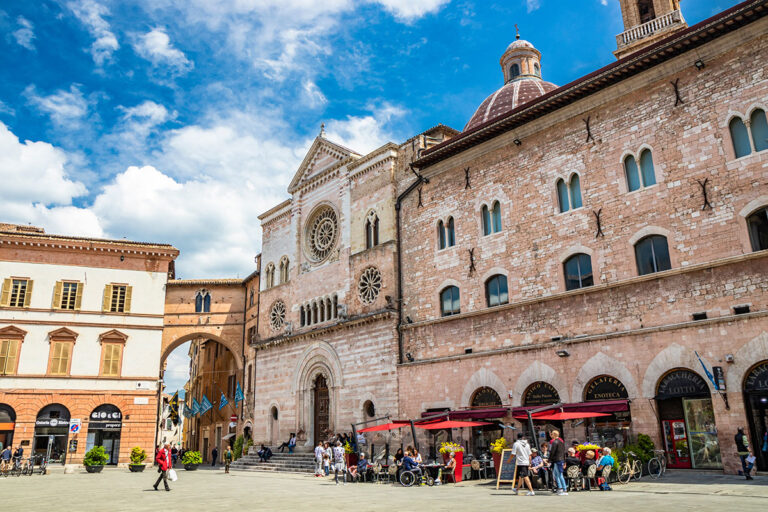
(180, 122)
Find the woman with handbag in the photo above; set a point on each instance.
(163, 460)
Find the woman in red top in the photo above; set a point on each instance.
(163, 459)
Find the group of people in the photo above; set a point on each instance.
(331, 458)
(7, 456)
(550, 465)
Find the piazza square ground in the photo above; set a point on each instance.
(119, 490)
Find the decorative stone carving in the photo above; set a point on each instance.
(369, 285)
(322, 233)
(277, 315)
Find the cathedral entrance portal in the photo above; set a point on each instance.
(322, 407)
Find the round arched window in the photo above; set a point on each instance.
(369, 409)
(274, 412)
(322, 232)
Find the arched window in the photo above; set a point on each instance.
(486, 214)
(632, 174)
(739, 137)
(645, 10)
(449, 301)
(652, 255)
(758, 229)
(207, 303)
(203, 302)
(496, 292)
(574, 188)
(302, 317)
(199, 303)
(284, 269)
(646, 168)
(514, 71)
(759, 127)
(252, 298)
(562, 196)
(450, 233)
(270, 276)
(496, 217)
(371, 230)
(440, 235)
(537, 70)
(578, 271)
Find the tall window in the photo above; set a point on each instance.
(574, 187)
(371, 230)
(449, 301)
(645, 176)
(578, 271)
(270, 274)
(67, 295)
(16, 292)
(110, 362)
(203, 302)
(496, 292)
(569, 195)
(652, 255)
(758, 229)
(450, 233)
(739, 137)
(252, 299)
(758, 124)
(284, 269)
(491, 218)
(61, 351)
(117, 298)
(9, 351)
(645, 10)
(536, 70)
(514, 71)
(441, 235)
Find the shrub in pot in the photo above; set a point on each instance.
(138, 456)
(95, 459)
(497, 447)
(191, 460)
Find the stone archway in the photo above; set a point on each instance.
(483, 378)
(234, 346)
(536, 372)
(602, 364)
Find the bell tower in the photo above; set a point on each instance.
(645, 22)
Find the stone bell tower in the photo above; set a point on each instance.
(645, 22)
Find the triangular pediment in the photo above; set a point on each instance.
(322, 155)
(63, 334)
(12, 332)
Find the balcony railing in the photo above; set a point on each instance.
(649, 28)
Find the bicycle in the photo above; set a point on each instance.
(43, 465)
(630, 468)
(657, 466)
(5, 468)
(16, 468)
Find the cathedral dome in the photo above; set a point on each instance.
(521, 66)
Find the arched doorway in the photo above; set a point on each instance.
(52, 430)
(322, 409)
(540, 394)
(104, 427)
(274, 426)
(7, 424)
(613, 430)
(756, 400)
(482, 437)
(688, 427)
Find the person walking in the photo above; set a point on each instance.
(163, 459)
(338, 463)
(557, 460)
(523, 463)
(742, 448)
(319, 452)
(214, 455)
(228, 456)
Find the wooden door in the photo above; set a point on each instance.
(322, 405)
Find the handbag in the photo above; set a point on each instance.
(172, 475)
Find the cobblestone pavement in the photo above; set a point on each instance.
(119, 490)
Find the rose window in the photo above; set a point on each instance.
(369, 285)
(322, 233)
(277, 315)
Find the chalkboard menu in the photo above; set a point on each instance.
(540, 393)
(507, 468)
(605, 387)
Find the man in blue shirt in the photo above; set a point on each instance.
(410, 465)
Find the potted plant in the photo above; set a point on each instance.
(191, 460)
(458, 451)
(137, 460)
(497, 447)
(95, 459)
(349, 456)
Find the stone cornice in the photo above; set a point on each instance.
(204, 282)
(55, 242)
(274, 210)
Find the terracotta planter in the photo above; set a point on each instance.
(190, 467)
(136, 468)
(496, 462)
(459, 456)
(94, 469)
(351, 459)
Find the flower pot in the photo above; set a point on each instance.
(136, 468)
(190, 467)
(496, 462)
(351, 459)
(94, 469)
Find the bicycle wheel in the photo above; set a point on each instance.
(625, 473)
(654, 468)
(430, 481)
(407, 478)
(637, 470)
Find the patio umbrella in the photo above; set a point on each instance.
(559, 416)
(384, 426)
(451, 424)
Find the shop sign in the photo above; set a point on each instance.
(52, 422)
(682, 383)
(605, 387)
(757, 380)
(486, 397)
(540, 393)
(719, 375)
(106, 419)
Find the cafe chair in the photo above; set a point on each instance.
(392, 473)
(591, 477)
(481, 469)
(606, 474)
(574, 476)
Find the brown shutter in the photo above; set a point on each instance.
(28, 295)
(128, 293)
(79, 296)
(5, 296)
(57, 295)
(106, 304)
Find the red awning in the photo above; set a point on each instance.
(560, 416)
(384, 426)
(607, 406)
(471, 414)
(438, 425)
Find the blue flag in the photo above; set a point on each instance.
(195, 407)
(205, 405)
(223, 401)
(709, 374)
(239, 397)
(186, 411)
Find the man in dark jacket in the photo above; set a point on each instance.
(163, 460)
(742, 448)
(557, 460)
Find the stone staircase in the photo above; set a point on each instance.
(303, 463)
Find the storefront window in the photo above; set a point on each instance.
(756, 400)
(7, 423)
(52, 432)
(482, 437)
(104, 427)
(702, 433)
(612, 431)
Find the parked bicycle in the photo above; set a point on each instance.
(630, 468)
(657, 466)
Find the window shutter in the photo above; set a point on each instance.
(28, 295)
(57, 295)
(128, 292)
(106, 303)
(79, 296)
(5, 297)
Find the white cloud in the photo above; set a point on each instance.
(364, 133)
(603, 2)
(6, 109)
(532, 5)
(25, 34)
(313, 95)
(91, 14)
(409, 10)
(156, 47)
(65, 108)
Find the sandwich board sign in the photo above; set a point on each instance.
(507, 468)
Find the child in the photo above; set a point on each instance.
(326, 464)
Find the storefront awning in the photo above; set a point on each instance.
(472, 414)
(607, 406)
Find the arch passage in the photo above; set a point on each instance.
(756, 401)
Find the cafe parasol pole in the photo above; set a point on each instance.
(530, 421)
